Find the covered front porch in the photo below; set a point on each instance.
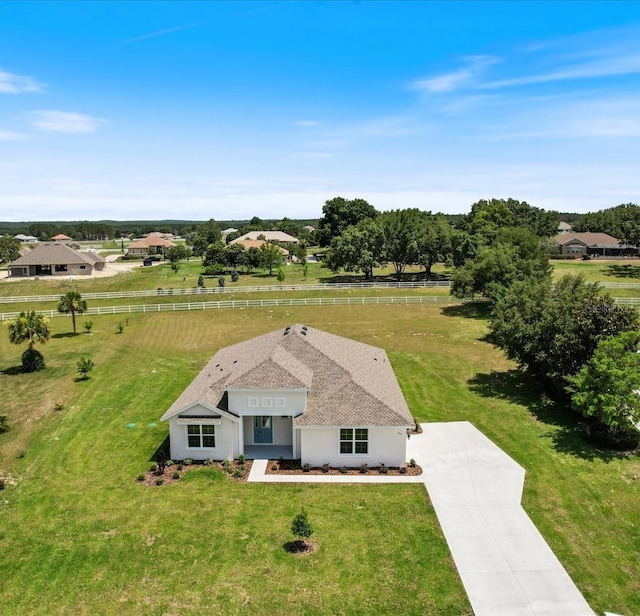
(268, 452)
(268, 437)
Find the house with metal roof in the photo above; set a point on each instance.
(298, 392)
(55, 259)
(269, 236)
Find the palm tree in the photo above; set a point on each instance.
(72, 302)
(30, 327)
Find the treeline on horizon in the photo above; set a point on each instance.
(621, 221)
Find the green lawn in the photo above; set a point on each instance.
(97, 542)
(600, 270)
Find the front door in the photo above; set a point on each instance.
(262, 431)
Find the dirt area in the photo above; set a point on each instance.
(293, 467)
(235, 470)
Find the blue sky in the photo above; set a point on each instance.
(148, 110)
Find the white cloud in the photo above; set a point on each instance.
(307, 123)
(9, 135)
(48, 120)
(16, 84)
(468, 75)
(144, 37)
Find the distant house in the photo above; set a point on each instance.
(164, 236)
(257, 244)
(308, 228)
(61, 237)
(270, 236)
(228, 231)
(297, 392)
(564, 227)
(596, 244)
(150, 245)
(55, 259)
(26, 239)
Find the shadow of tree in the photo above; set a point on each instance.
(623, 271)
(517, 387)
(406, 277)
(470, 310)
(12, 371)
(66, 335)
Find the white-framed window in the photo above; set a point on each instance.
(201, 436)
(354, 441)
(281, 403)
(267, 403)
(285, 417)
(252, 402)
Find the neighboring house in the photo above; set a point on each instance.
(55, 259)
(228, 231)
(256, 244)
(564, 227)
(309, 228)
(164, 236)
(26, 239)
(61, 237)
(270, 236)
(150, 245)
(596, 244)
(298, 392)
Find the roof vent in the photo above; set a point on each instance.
(235, 361)
(304, 328)
(287, 329)
(304, 332)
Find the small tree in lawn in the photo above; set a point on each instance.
(30, 327)
(301, 529)
(280, 275)
(201, 281)
(84, 366)
(72, 303)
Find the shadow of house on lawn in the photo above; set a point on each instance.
(623, 271)
(162, 451)
(517, 387)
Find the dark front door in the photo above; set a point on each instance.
(262, 431)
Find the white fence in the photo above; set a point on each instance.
(257, 303)
(235, 289)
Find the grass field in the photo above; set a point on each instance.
(80, 536)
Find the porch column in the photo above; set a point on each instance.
(295, 441)
(241, 436)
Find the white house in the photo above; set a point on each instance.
(297, 392)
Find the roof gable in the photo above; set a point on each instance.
(348, 382)
(54, 253)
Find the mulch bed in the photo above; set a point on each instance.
(293, 467)
(301, 547)
(151, 478)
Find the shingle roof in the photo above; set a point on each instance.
(61, 237)
(348, 382)
(270, 236)
(145, 242)
(594, 240)
(256, 244)
(55, 253)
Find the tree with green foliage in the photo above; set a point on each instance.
(340, 213)
(233, 255)
(400, 228)
(201, 281)
(280, 275)
(360, 248)
(433, 241)
(83, 366)
(270, 256)
(251, 259)
(178, 252)
(301, 528)
(215, 254)
(9, 249)
(72, 303)
(552, 330)
(607, 387)
(517, 254)
(32, 328)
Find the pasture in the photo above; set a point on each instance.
(80, 535)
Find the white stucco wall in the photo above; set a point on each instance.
(226, 438)
(322, 446)
(294, 402)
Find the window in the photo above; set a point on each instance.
(267, 403)
(201, 436)
(61, 268)
(252, 402)
(354, 441)
(281, 403)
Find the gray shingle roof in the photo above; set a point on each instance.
(55, 253)
(348, 382)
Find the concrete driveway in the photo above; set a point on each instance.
(505, 564)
